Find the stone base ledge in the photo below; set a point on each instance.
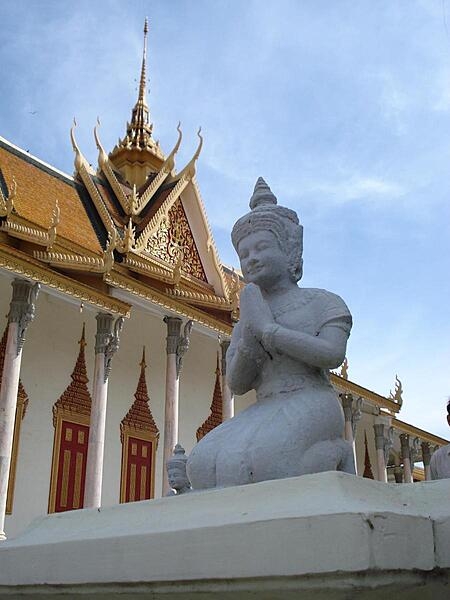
(327, 535)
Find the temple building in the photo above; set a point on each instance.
(118, 313)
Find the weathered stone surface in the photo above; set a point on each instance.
(285, 342)
(328, 535)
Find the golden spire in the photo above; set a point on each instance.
(142, 86)
(140, 128)
(138, 154)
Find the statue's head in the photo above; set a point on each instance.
(176, 469)
(448, 411)
(282, 223)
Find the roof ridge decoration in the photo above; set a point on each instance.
(7, 202)
(81, 262)
(140, 202)
(200, 298)
(76, 397)
(397, 394)
(30, 233)
(105, 166)
(139, 416)
(215, 417)
(82, 168)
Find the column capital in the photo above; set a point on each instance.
(379, 436)
(404, 445)
(224, 345)
(107, 338)
(352, 409)
(173, 333)
(22, 307)
(426, 453)
(175, 342)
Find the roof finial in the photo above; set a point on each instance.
(142, 84)
(143, 364)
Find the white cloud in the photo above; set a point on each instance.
(357, 187)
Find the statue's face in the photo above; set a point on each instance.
(262, 260)
(177, 477)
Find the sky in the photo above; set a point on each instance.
(342, 106)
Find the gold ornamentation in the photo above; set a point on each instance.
(142, 291)
(14, 261)
(174, 237)
(141, 264)
(344, 369)
(155, 222)
(7, 203)
(25, 232)
(189, 169)
(169, 164)
(82, 168)
(105, 166)
(78, 476)
(76, 262)
(210, 300)
(56, 214)
(396, 396)
(348, 386)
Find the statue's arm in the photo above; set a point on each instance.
(325, 350)
(244, 360)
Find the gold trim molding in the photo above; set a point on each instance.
(14, 261)
(348, 386)
(142, 291)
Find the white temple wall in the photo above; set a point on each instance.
(49, 357)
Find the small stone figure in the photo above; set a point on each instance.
(283, 346)
(440, 461)
(176, 472)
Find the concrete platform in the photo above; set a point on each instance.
(329, 535)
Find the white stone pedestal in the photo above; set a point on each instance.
(329, 535)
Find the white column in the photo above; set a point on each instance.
(398, 474)
(426, 457)
(352, 414)
(380, 442)
(227, 396)
(21, 313)
(106, 345)
(176, 346)
(405, 454)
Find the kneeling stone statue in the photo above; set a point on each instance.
(286, 340)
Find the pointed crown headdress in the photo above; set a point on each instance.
(267, 215)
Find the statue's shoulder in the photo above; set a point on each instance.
(327, 306)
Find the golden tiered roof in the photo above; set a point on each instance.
(135, 223)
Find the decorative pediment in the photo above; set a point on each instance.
(76, 399)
